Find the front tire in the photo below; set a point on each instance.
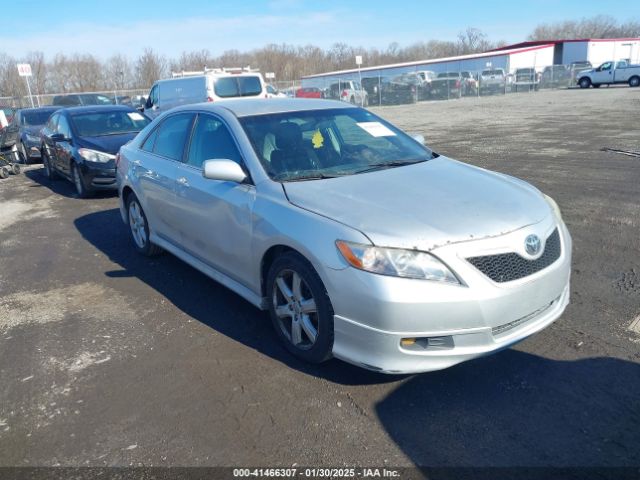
(78, 182)
(15, 169)
(49, 172)
(24, 156)
(584, 82)
(300, 308)
(139, 228)
(4, 172)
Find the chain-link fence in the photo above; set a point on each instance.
(133, 98)
(404, 85)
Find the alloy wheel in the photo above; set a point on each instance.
(295, 309)
(137, 224)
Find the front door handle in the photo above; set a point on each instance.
(183, 181)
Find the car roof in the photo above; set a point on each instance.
(266, 106)
(97, 109)
(48, 108)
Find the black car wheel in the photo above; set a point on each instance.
(46, 163)
(584, 82)
(300, 308)
(24, 156)
(4, 172)
(15, 169)
(78, 182)
(634, 81)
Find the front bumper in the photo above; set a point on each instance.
(452, 324)
(99, 176)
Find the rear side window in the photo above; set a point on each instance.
(240, 86)
(172, 136)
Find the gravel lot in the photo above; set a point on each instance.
(107, 358)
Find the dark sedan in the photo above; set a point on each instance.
(29, 122)
(80, 144)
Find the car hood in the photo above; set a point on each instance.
(425, 205)
(32, 129)
(106, 143)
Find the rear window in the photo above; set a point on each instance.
(240, 86)
(492, 72)
(448, 75)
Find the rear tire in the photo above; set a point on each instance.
(15, 169)
(139, 228)
(300, 308)
(4, 172)
(634, 81)
(584, 82)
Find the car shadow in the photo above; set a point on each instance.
(204, 299)
(61, 186)
(515, 409)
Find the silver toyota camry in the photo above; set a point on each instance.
(363, 243)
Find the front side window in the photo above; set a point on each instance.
(172, 136)
(238, 86)
(211, 139)
(606, 66)
(51, 124)
(63, 127)
(327, 143)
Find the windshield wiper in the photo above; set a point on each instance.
(312, 176)
(382, 165)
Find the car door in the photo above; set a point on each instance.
(63, 148)
(214, 217)
(47, 142)
(603, 74)
(152, 107)
(155, 171)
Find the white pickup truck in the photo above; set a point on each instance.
(608, 73)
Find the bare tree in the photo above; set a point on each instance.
(150, 67)
(600, 26)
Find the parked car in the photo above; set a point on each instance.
(492, 81)
(399, 90)
(123, 100)
(81, 143)
(609, 73)
(349, 91)
(8, 112)
(28, 123)
(315, 211)
(525, 80)
(273, 92)
(8, 129)
(207, 86)
(77, 99)
(447, 85)
(555, 76)
(309, 92)
(424, 87)
(575, 68)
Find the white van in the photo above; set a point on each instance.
(207, 86)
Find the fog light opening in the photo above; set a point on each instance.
(427, 343)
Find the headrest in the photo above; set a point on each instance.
(288, 136)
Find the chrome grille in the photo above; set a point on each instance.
(506, 267)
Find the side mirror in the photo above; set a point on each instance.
(419, 138)
(222, 169)
(58, 137)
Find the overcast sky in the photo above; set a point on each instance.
(170, 27)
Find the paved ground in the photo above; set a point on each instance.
(107, 358)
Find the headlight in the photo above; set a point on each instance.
(32, 138)
(95, 156)
(396, 262)
(554, 206)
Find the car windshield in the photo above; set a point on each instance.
(96, 124)
(327, 143)
(36, 118)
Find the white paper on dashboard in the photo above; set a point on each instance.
(135, 116)
(376, 129)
